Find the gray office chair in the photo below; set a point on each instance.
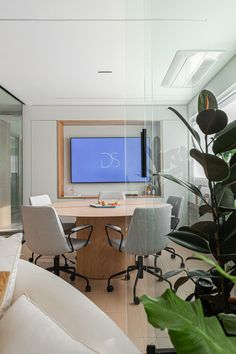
(113, 195)
(40, 200)
(176, 203)
(44, 200)
(44, 235)
(146, 236)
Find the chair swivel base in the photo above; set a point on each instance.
(174, 255)
(56, 269)
(140, 267)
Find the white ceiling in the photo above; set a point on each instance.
(51, 50)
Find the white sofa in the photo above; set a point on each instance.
(73, 310)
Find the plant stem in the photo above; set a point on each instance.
(214, 207)
(216, 216)
(211, 187)
(212, 139)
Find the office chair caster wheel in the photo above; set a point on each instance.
(88, 288)
(182, 265)
(72, 277)
(110, 288)
(136, 300)
(127, 277)
(173, 256)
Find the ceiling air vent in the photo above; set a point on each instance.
(189, 67)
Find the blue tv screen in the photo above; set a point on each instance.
(106, 160)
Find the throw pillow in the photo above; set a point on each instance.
(27, 329)
(10, 249)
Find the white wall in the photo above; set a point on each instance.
(40, 141)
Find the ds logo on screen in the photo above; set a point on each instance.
(110, 160)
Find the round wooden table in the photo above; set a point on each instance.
(98, 260)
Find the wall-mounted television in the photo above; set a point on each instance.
(107, 160)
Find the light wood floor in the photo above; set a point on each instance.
(118, 304)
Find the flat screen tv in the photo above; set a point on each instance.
(106, 160)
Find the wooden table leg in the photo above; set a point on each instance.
(99, 260)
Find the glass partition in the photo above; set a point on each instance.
(146, 29)
(10, 161)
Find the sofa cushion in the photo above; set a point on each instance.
(26, 328)
(10, 249)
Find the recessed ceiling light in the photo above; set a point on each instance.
(189, 67)
(104, 72)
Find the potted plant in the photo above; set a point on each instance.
(189, 330)
(216, 154)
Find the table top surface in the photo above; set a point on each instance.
(82, 208)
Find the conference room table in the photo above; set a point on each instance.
(99, 260)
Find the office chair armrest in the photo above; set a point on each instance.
(116, 229)
(174, 222)
(77, 229)
(9, 233)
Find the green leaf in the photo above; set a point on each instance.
(228, 257)
(228, 234)
(203, 209)
(190, 240)
(193, 143)
(215, 168)
(192, 131)
(189, 330)
(172, 273)
(206, 227)
(191, 187)
(191, 258)
(233, 159)
(229, 226)
(233, 188)
(226, 139)
(217, 267)
(226, 210)
(212, 121)
(230, 244)
(233, 341)
(232, 176)
(231, 180)
(206, 100)
(224, 196)
(229, 323)
(181, 281)
(195, 231)
(199, 273)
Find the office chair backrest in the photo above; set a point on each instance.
(147, 230)
(114, 195)
(176, 205)
(40, 200)
(43, 231)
